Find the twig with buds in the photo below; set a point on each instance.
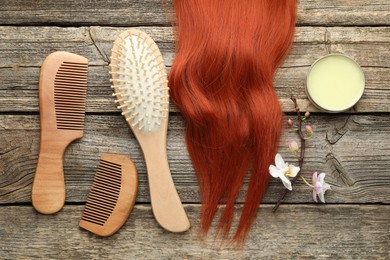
(294, 146)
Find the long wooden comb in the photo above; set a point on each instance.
(112, 195)
(62, 96)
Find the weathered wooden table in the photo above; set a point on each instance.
(353, 148)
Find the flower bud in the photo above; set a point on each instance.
(290, 122)
(294, 146)
(307, 114)
(309, 129)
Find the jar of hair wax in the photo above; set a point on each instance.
(335, 83)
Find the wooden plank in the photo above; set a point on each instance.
(151, 12)
(336, 12)
(310, 43)
(352, 149)
(28, 46)
(24, 48)
(296, 231)
(19, 90)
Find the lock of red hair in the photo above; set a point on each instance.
(227, 54)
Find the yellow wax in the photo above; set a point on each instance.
(335, 83)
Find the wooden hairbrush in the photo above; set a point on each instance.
(62, 94)
(139, 80)
(112, 195)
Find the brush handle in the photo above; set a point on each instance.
(166, 204)
(48, 191)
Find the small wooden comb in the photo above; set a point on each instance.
(112, 195)
(62, 94)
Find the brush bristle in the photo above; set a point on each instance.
(104, 193)
(70, 89)
(140, 81)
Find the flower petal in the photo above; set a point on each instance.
(326, 187)
(286, 182)
(318, 187)
(314, 178)
(315, 195)
(293, 171)
(275, 172)
(321, 177)
(279, 162)
(321, 196)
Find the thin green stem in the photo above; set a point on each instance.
(305, 181)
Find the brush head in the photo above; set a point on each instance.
(112, 195)
(139, 79)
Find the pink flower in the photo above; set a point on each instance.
(320, 187)
(307, 114)
(290, 122)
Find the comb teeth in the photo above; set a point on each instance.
(104, 193)
(70, 90)
(140, 81)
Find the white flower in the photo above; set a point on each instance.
(320, 187)
(282, 169)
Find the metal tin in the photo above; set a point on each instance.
(320, 107)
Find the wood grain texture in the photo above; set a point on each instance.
(19, 86)
(354, 151)
(151, 12)
(28, 46)
(23, 49)
(62, 113)
(328, 232)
